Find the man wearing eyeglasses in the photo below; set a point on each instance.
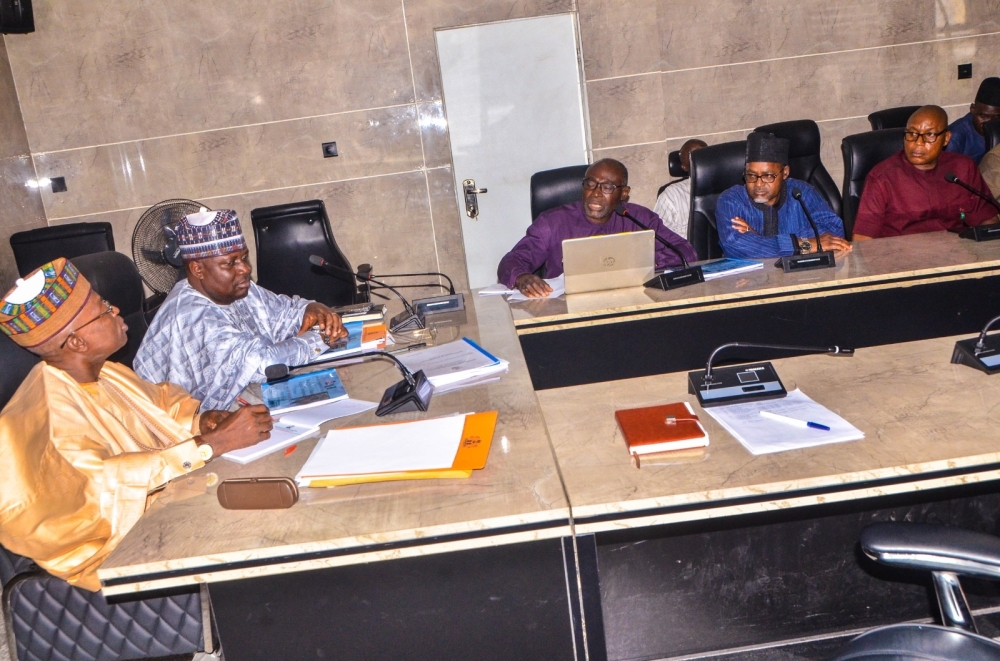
(605, 186)
(761, 218)
(967, 134)
(85, 443)
(908, 193)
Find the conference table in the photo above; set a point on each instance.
(561, 548)
(886, 291)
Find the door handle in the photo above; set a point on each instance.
(471, 199)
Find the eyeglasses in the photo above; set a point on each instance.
(109, 309)
(606, 186)
(752, 177)
(926, 138)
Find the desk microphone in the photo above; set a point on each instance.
(980, 352)
(979, 232)
(688, 275)
(746, 383)
(952, 178)
(413, 393)
(821, 259)
(404, 321)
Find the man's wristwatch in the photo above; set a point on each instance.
(206, 452)
(804, 246)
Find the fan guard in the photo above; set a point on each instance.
(154, 243)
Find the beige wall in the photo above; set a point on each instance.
(20, 207)
(227, 102)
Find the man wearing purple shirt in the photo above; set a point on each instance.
(605, 186)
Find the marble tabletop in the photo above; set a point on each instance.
(934, 256)
(187, 537)
(927, 424)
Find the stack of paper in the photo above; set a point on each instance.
(761, 435)
(455, 365)
(729, 266)
(558, 285)
(361, 336)
(449, 447)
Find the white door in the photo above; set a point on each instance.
(514, 102)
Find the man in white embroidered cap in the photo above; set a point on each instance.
(217, 330)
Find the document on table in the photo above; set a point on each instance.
(283, 434)
(454, 364)
(317, 415)
(408, 446)
(558, 285)
(761, 435)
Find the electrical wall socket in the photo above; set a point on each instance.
(964, 71)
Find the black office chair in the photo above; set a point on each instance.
(554, 188)
(946, 553)
(862, 152)
(47, 619)
(32, 248)
(804, 160)
(115, 278)
(891, 118)
(286, 236)
(991, 130)
(714, 169)
(675, 170)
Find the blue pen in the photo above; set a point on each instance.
(794, 421)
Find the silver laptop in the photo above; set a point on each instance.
(612, 261)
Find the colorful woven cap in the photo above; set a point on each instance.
(210, 234)
(44, 303)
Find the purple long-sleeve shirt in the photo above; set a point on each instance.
(543, 242)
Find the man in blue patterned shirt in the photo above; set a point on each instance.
(761, 219)
(217, 330)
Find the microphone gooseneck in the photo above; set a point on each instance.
(797, 194)
(280, 371)
(981, 343)
(623, 212)
(781, 347)
(952, 178)
(365, 276)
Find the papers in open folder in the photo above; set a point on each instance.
(454, 365)
(450, 447)
(761, 435)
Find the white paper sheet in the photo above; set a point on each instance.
(558, 285)
(317, 415)
(762, 436)
(453, 362)
(421, 445)
(282, 435)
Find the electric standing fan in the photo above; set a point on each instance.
(154, 243)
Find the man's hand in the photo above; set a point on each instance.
(210, 420)
(992, 221)
(331, 328)
(248, 426)
(532, 286)
(830, 242)
(742, 226)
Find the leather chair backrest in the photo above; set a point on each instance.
(17, 362)
(286, 235)
(862, 152)
(32, 248)
(554, 188)
(115, 278)
(992, 131)
(714, 169)
(804, 158)
(891, 118)
(674, 165)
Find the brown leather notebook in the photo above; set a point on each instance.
(661, 428)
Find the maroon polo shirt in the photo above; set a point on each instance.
(900, 199)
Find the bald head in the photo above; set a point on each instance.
(685, 152)
(926, 137)
(615, 166)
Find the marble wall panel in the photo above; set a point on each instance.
(20, 209)
(100, 71)
(448, 226)
(213, 163)
(849, 84)
(626, 111)
(619, 38)
(435, 135)
(424, 16)
(384, 220)
(13, 140)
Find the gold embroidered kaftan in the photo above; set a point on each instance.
(74, 475)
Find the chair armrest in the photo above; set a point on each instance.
(933, 548)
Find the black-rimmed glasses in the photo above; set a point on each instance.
(926, 138)
(752, 177)
(606, 186)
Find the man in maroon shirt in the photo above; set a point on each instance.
(908, 194)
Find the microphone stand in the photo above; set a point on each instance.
(413, 393)
(980, 352)
(686, 275)
(821, 259)
(406, 320)
(979, 232)
(746, 383)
